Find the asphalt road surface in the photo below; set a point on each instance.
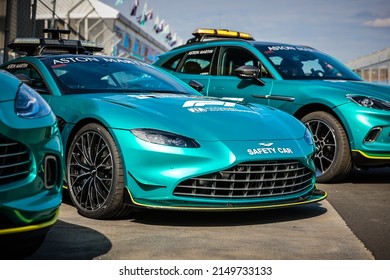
(352, 224)
(363, 202)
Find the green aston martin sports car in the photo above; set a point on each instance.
(137, 136)
(349, 118)
(31, 165)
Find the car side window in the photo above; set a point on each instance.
(31, 72)
(172, 63)
(198, 62)
(232, 58)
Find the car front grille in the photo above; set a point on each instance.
(250, 180)
(15, 161)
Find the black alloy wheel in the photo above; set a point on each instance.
(95, 174)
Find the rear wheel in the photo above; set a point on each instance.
(333, 154)
(95, 174)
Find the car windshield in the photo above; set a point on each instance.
(298, 62)
(92, 74)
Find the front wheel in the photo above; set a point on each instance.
(333, 155)
(95, 174)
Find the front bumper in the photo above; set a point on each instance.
(153, 172)
(369, 134)
(42, 226)
(315, 195)
(31, 202)
(363, 159)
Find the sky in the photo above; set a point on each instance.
(345, 29)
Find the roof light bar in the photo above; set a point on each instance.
(53, 45)
(223, 33)
(27, 41)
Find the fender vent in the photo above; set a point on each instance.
(372, 135)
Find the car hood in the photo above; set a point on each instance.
(206, 119)
(360, 88)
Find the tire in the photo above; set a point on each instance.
(333, 154)
(95, 174)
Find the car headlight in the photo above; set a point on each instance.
(165, 138)
(370, 102)
(29, 104)
(308, 137)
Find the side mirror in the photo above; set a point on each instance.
(196, 85)
(249, 72)
(24, 79)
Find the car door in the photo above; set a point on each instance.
(228, 85)
(193, 65)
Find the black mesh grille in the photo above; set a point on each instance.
(250, 180)
(15, 161)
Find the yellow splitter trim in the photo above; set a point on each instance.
(371, 157)
(30, 227)
(227, 208)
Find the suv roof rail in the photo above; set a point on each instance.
(204, 34)
(33, 46)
